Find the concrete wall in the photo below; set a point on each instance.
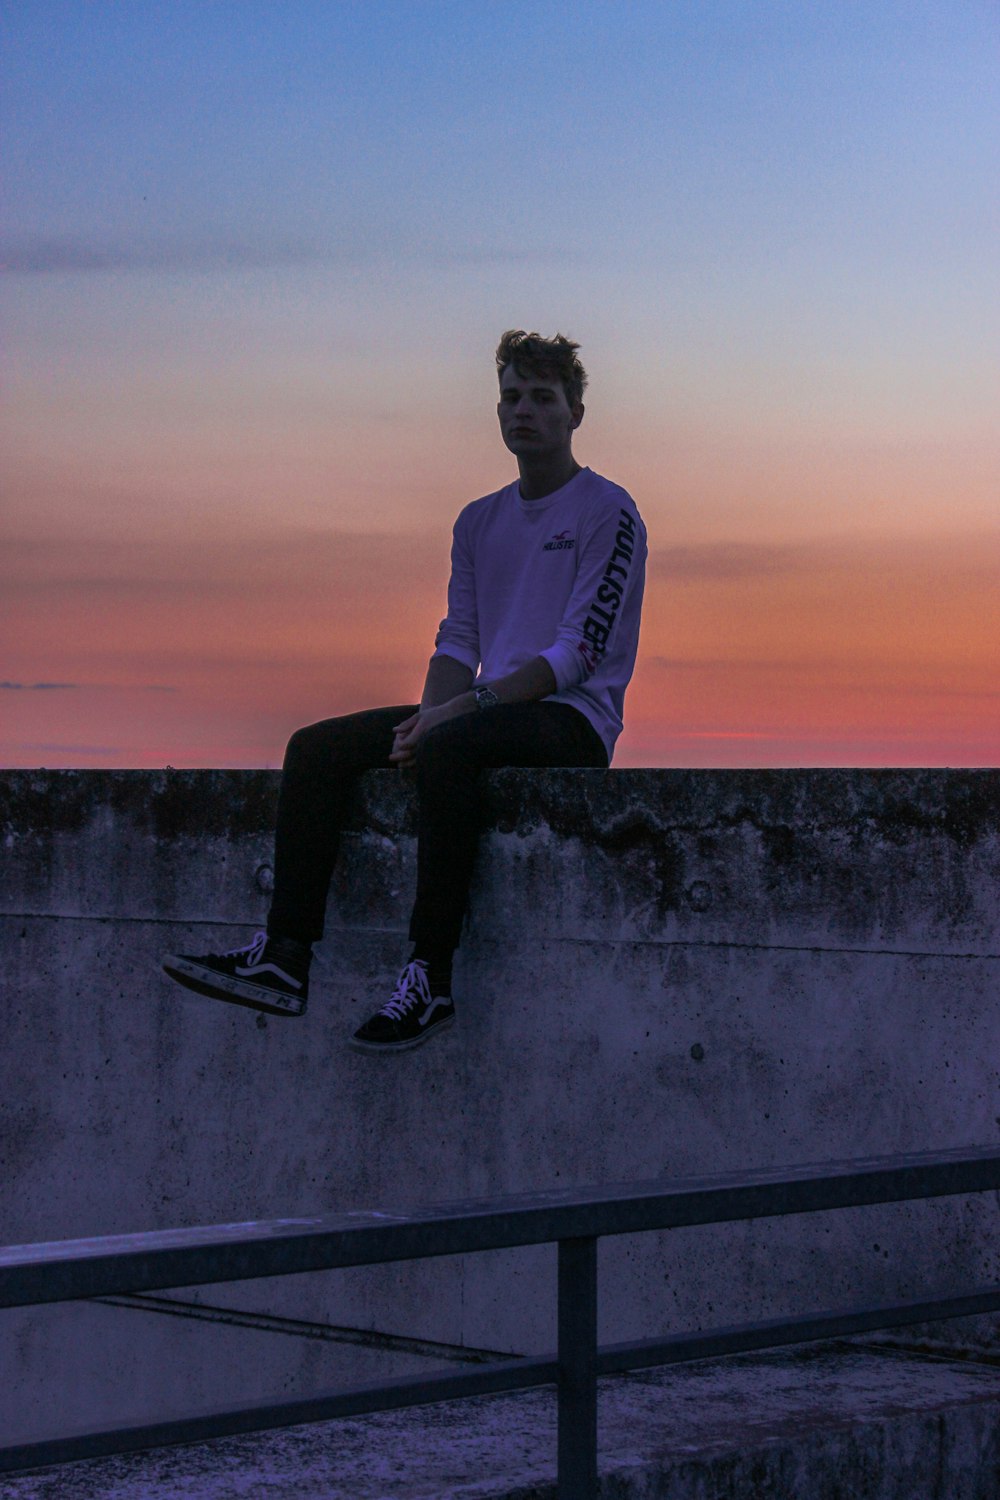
(663, 973)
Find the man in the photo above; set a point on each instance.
(547, 579)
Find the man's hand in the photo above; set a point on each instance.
(412, 730)
(401, 755)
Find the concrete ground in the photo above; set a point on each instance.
(833, 1421)
(664, 974)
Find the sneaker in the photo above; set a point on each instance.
(409, 1018)
(259, 976)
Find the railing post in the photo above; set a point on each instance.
(577, 1385)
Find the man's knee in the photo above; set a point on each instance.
(300, 745)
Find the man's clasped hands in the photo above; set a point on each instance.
(411, 731)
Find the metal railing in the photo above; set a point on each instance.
(576, 1219)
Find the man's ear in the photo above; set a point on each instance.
(578, 410)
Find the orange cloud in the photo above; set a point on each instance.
(844, 650)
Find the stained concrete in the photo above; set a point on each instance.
(818, 1423)
(662, 973)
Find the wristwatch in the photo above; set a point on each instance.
(486, 698)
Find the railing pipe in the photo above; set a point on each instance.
(577, 1384)
(73, 1270)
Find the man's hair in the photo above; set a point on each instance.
(530, 354)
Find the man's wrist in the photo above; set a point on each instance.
(528, 684)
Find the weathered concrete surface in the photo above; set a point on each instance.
(663, 973)
(817, 1423)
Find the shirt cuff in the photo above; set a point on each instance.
(457, 654)
(568, 667)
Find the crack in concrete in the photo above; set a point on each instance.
(629, 942)
(302, 1328)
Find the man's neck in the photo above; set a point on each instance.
(537, 482)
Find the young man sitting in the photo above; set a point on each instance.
(547, 579)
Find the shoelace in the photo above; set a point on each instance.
(408, 991)
(255, 949)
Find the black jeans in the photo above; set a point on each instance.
(323, 760)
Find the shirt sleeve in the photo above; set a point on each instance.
(458, 633)
(605, 574)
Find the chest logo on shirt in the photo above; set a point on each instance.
(561, 542)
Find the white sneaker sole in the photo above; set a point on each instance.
(205, 981)
(416, 1041)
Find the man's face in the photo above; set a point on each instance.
(535, 417)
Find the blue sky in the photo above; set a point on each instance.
(719, 182)
(258, 258)
(602, 132)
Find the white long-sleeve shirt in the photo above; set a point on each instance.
(561, 577)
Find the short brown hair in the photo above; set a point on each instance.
(531, 354)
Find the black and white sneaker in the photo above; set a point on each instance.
(412, 1014)
(261, 975)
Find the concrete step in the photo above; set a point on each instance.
(833, 1421)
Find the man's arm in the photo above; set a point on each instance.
(534, 680)
(446, 678)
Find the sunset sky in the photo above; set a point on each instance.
(257, 258)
